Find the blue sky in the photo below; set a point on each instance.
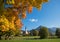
(48, 16)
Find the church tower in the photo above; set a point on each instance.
(26, 32)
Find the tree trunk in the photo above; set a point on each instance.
(0, 37)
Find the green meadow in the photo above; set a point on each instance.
(40, 40)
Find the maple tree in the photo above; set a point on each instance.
(11, 15)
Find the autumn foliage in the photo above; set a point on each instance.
(10, 17)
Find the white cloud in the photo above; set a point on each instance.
(33, 20)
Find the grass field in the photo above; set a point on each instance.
(41, 40)
(30, 39)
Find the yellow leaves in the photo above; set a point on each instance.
(33, 0)
(12, 26)
(4, 20)
(4, 28)
(4, 23)
(9, 18)
(10, 2)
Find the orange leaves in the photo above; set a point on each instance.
(11, 19)
(15, 11)
(30, 8)
(17, 1)
(23, 15)
(18, 23)
(3, 28)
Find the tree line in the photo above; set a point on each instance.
(43, 32)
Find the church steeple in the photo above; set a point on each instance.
(26, 32)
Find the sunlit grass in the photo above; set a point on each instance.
(40, 40)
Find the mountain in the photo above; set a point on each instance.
(51, 30)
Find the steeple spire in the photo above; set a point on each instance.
(26, 32)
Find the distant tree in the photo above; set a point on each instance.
(43, 32)
(58, 32)
(34, 32)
